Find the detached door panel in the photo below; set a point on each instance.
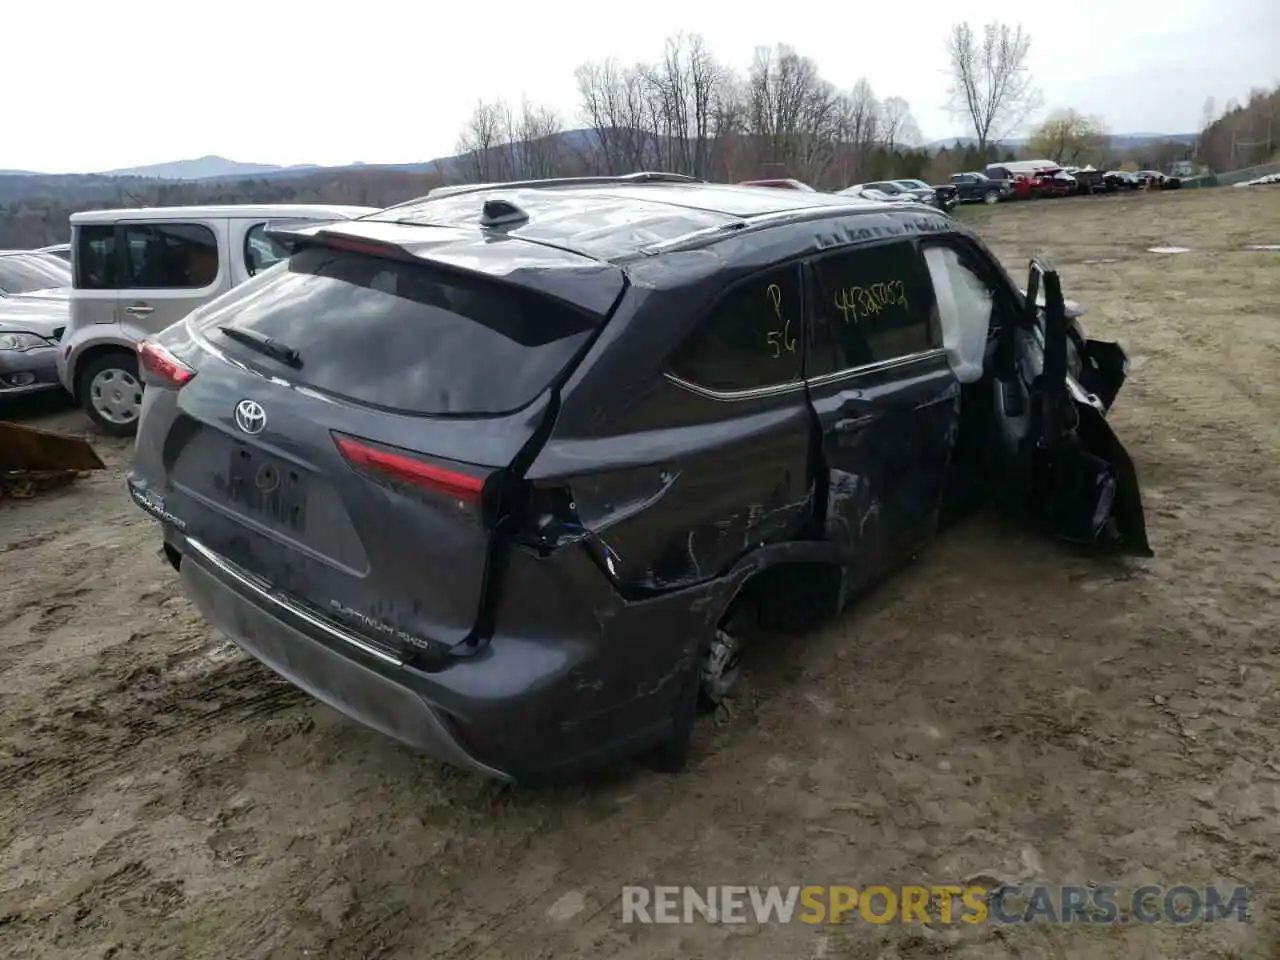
(1067, 470)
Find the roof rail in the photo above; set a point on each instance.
(643, 176)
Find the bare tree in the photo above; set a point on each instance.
(478, 145)
(687, 113)
(732, 150)
(533, 143)
(898, 127)
(1068, 136)
(991, 86)
(795, 116)
(616, 105)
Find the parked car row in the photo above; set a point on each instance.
(1036, 179)
(498, 473)
(903, 191)
(1264, 180)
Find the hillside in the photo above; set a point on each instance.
(1245, 134)
(42, 217)
(34, 208)
(204, 168)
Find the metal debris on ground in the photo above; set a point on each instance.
(1168, 249)
(33, 461)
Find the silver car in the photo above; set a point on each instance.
(139, 271)
(33, 310)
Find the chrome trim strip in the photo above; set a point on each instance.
(776, 390)
(784, 388)
(329, 630)
(909, 359)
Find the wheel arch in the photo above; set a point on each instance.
(794, 584)
(85, 357)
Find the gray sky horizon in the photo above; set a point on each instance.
(390, 81)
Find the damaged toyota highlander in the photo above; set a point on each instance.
(498, 471)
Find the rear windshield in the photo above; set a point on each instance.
(403, 336)
(26, 274)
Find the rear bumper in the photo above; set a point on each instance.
(24, 372)
(361, 681)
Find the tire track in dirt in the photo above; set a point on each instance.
(83, 742)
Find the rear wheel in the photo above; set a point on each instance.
(991, 198)
(721, 668)
(110, 392)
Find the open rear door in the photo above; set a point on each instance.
(1070, 473)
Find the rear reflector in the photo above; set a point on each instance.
(451, 483)
(164, 368)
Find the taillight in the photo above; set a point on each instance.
(463, 488)
(161, 367)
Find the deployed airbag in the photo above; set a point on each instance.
(964, 309)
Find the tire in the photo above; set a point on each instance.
(110, 393)
(991, 197)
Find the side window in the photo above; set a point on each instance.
(174, 256)
(94, 262)
(750, 339)
(874, 304)
(260, 251)
(966, 306)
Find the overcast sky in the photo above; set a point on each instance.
(108, 85)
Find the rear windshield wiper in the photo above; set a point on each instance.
(266, 345)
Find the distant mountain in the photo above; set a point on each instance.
(218, 169)
(205, 168)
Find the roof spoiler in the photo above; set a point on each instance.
(292, 235)
(288, 233)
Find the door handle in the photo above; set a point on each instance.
(851, 424)
(139, 310)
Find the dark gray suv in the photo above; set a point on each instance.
(496, 471)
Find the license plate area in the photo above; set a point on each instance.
(265, 487)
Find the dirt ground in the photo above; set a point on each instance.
(1004, 709)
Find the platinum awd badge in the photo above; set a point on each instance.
(154, 505)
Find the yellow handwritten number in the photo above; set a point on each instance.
(862, 303)
(779, 340)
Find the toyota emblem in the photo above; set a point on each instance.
(250, 417)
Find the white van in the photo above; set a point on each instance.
(135, 272)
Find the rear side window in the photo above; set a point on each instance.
(873, 304)
(404, 336)
(94, 258)
(751, 339)
(260, 251)
(170, 256)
